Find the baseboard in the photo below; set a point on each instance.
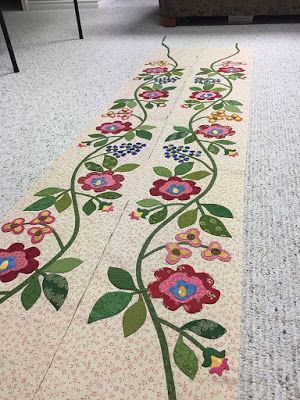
(59, 4)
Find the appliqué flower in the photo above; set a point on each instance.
(183, 288)
(157, 70)
(174, 188)
(230, 70)
(16, 259)
(114, 127)
(205, 95)
(154, 94)
(136, 215)
(44, 217)
(215, 250)
(16, 226)
(82, 145)
(191, 236)
(38, 233)
(107, 208)
(218, 365)
(233, 153)
(101, 181)
(175, 253)
(215, 131)
(124, 113)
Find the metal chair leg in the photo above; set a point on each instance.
(8, 43)
(78, 19)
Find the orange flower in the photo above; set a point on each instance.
(214, 251)
(16, 226)
(191, 236)
(175, 253)
(44, 217)
(37, 234)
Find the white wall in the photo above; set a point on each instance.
(55, 4)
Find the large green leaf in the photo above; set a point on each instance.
(146, 127)
(149, 203)
(197, 175)
(55, 288)
(185, 359)
(233, 102)
(63, 202)
(89, 207)
(110, 195)
(232, 108)
(129, 135)
(93, 166)
(176, 136)
(143, 134)
(31, 293)
(209, 86)
(158, 216)
(101, 143)
(226, 142)
(162, 171)
(121, 278)
(181, 128)
(63, 265)
(134, 317)
(41, 204)
(127, 167)
(49, 191)
(218, 210)
(109, 162)
(200, 106)
(109, 304)
(213, 149)
(218, 106)
(183, 168)
(213, 226)
(205, 328)
(188, 218)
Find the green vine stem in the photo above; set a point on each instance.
(157, 322)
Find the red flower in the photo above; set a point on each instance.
(114, 127)
(156, 70)
(215, 131)
(101, 181)
(174, 188)
(205, 95)
(44, 217)
(230, 70)
(183, 288)
(154, 94)
(16, 226)
(16, 259)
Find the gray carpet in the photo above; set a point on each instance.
(64, 82)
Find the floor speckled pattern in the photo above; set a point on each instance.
(64, 82)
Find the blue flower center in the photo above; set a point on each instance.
(112, 127)
(174, 189)
(215, 131)
(183, 290)
(98, 181)
(7, 263)
(206, 95)
(152, 95)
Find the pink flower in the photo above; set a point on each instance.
(218, 365)
(184, 106)
(191, 237)
(16, 226)
(205, 95)
(214, 251)
(136, 215)
(154, 94)
(174, 188)
(114, 127)
(156, 70)
(230, 70)
(38, 233)
(215, 131)
(44, 217)
(107, 208)
(101, 181)
(175, 253)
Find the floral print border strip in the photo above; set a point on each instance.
(178, 190)
(123, 133)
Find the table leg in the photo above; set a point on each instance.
(8, 43)
(78, 19)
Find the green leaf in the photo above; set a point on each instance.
(93, 166)
(109, 305)
(118, 105)
(89, 207)
(183, 168)
(185, 359)
(55, 288)
(129, 135)
(199, 107)
(224, 142)
(204, 71)
(197, 175)
(218, 89)
(176, 136)
(208, 86)
(109, 162)
(101, 143)
(146, 127)
(149, 105)
(189, 139)
(188, 218)
(158, 216)
(97, 135)
(31, 293)
(149, 203)
(144, 134)
(124, 100)
(233, 77)
(219, 211)
(131, 104)
(49, 191)
(63, 265)
(121, 278)
(218, 106)
(41, 204)
(205, 328)
(229, 107)
(162, 171)
(181, 128)
(195, 88)
(233, 102)
(169, 88)
(208, 352)
(213, 149)
(63, 202)
(110, 195)
(127, 167)
(134, 317)
(157, 86)
(213, 226)
(212, 74)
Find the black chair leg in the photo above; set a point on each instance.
(78, 19)
(8, 43)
